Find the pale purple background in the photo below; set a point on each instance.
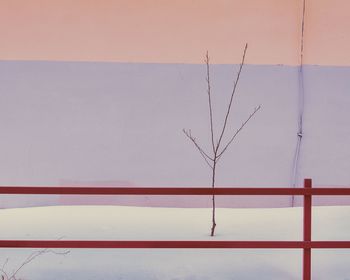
(118, 124)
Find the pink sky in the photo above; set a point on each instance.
(174, 31)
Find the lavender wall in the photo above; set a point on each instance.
(84, 123)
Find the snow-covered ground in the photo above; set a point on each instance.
(141, 223)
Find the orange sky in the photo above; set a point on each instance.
(177, 31)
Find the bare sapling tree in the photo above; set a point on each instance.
(218, 147)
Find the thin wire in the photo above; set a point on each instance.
(301, 105)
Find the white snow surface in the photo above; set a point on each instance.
(145, 223)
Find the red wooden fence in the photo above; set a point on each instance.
(307, 244)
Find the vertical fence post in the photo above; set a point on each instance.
(307, 231)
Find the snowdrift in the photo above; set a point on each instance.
(142, 223)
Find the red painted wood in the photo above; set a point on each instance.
(306, 244)
(148, 244)
(171, 244)
(171, 191)
(307, 231)
(329, 244)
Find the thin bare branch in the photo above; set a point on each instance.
(33, 256)
(3, 274)
(6, 276)
(209, 101)
(193, 139)
(231, 99)
(239, 130)
(202, 152)
(5, 263)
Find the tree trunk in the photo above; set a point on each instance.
(212, 232)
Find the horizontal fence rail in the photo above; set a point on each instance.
(307, 244)
(92, 244)
(172, 191)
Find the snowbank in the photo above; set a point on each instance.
(139, 223)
